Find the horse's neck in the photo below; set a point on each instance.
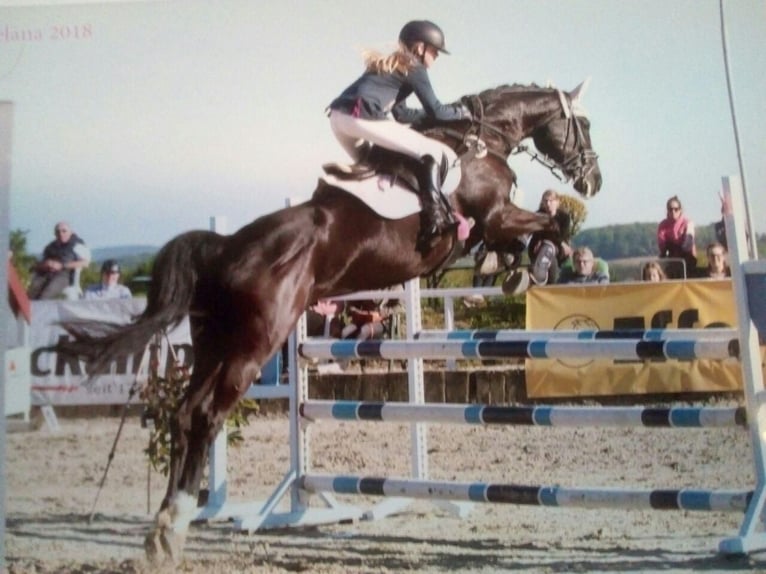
(526, 113)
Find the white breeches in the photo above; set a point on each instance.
(352, 133)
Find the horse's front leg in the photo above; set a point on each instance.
(198, 420)
(508, 231)
(505, 226)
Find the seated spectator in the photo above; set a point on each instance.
(585, 268)
(109, 287)
(369, 319)
(546, 254)
(653, 271)
(717, 267)
(58, 272)
(325, 319)
(675, 239)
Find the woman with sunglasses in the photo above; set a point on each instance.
(675, 239)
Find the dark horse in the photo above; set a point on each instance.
(245, 292)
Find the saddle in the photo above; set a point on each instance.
(379, 161)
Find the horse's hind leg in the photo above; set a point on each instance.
(215, 388)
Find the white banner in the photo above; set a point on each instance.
(61, 380)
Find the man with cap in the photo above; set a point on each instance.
(109, 287)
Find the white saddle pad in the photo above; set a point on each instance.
(385, 198)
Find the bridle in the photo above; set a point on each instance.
(472, 142)
(579, 163)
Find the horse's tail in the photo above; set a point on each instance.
(175, 273)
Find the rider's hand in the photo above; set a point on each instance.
(465, 113)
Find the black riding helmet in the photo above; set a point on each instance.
(422, 31)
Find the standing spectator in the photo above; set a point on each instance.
(675, 237)
(585, 269)
(720, 227)
(58, 272)
(717, 267)
(324, 319)
(653, 272)
(109, 287)
(545, 254)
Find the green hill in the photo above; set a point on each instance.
(639, 240)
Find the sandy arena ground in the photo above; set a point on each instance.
(52, 480)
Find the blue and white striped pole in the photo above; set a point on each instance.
(555, 496)
(548, 416)
(617, 349)
(586, 334)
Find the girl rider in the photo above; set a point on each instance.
(360, 116)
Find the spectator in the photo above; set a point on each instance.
(717, 267)
(720, 227)
(324, 319)
(109, 287)
(675, 238)
(653, 271)
(58, 273)
(547, 255)
(585, 269)
(369, 319)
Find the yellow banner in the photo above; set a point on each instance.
(691, 304)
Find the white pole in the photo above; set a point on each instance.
(749, 227)
(217, 455)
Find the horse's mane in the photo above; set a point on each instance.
(506, 88)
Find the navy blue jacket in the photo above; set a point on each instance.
(63, 252)
(373, 95)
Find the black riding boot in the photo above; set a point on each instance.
(436, 217)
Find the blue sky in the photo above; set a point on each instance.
(151, 117)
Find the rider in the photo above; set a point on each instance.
(360, 116)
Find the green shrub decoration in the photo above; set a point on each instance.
(161, 397)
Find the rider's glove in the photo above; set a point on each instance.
(465, 113)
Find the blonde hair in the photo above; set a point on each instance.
(549, 193)
(648, 268)
(400, 60)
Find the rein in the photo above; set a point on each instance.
(579, 164)
(575, 163)
(473, 137)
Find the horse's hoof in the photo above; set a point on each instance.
(472, 301)
(516, 282)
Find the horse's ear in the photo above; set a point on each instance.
(576, 97)
(580, 90)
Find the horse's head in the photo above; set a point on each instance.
(566, 140)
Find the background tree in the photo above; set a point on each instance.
(21, 260)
